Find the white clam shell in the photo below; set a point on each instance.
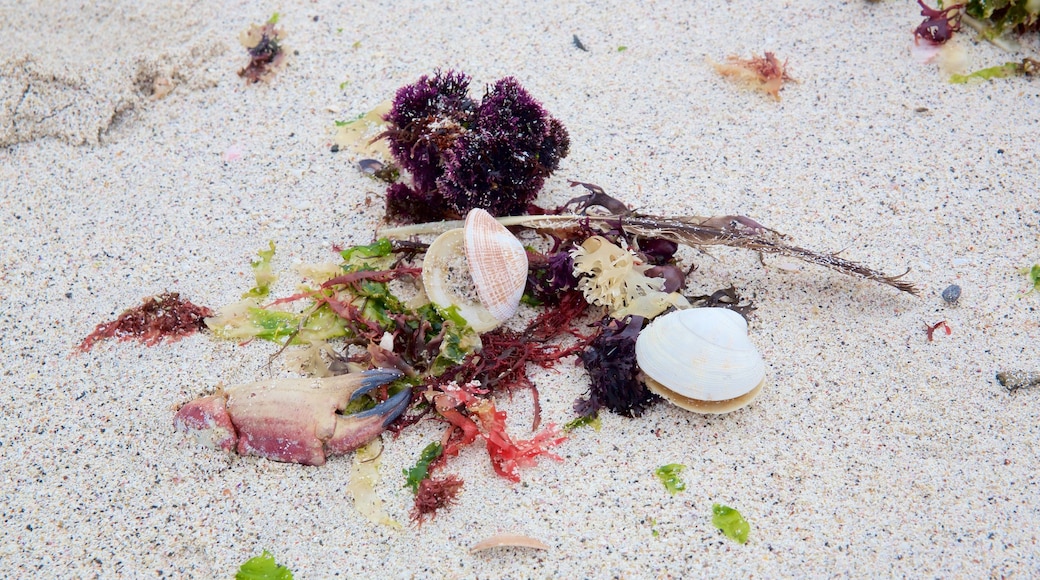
(701, 359)
(481, 270)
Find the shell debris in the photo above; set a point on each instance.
(508, 540)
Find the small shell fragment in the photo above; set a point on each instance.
(508, 540)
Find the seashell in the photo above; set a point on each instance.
(497, 262)
(508, 540)
(480, 269)
(701, 359)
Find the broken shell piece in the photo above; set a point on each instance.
(701, 360)
(508, 541)
(480, 269)
(292, 420)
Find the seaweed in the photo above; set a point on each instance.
(765, 73)
(434, 494)
(266, 53)
(611, 363)
(462, 154)
(164, 317)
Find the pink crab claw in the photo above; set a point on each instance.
(292, 420)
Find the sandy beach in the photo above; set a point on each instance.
(134, 160)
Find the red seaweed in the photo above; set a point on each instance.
(157, 318)
(433, 495)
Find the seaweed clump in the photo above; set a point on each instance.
(462, 154)
(611, 363)
(163, 317)
(434, 494)
(765, 73)
(266, 53)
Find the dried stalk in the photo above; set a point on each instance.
(733, 231)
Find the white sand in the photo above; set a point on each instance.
(873, 452)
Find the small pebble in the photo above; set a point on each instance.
(1012, 380)
(952, 294)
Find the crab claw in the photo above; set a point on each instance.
(353, 431)
(295, 420)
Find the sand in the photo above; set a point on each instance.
(873, 451)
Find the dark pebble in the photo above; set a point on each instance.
(952, 294)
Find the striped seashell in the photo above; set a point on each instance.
(480, 269)
(497, 262)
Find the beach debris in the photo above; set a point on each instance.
(364, 475)
(462, 154)
(614, 277)
(262, 273)
(164, 317)
(669, 476)
(363, 134)
(732, 524)
(724, 298)
(266, 53)
(1034, 279)
(765, 73)
(386, 172)
(930, 329)
(292, 420)
(508, 540)
(1018, 379)
(591, 420)
(263, 567)
(434, 493)
(939, 24)
(550, 277)
(577, 44)
(610, 360)
(481, 270)
(1029, 67)
(695, 231)
(506, 454)
(1004, 15)
(420, 471)
(701, 360)
(951, 294)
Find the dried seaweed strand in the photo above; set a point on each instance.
(690, 230)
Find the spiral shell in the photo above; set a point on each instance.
(480, 269)
(701, 359)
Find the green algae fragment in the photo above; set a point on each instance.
(730, 522)
(1034, 278)
(421, 470)
(994, 72)
(263, 567)
(669, 476)
(263, 274)
(376, 249)
(592, 420)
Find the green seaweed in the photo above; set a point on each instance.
(592, 420)
(263, 274)
(263, 567)
(669, 476)
(730, 522)
(421, 470)
(1034, 278)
